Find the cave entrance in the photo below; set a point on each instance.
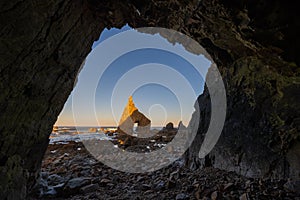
(163, 84)
(156, 78)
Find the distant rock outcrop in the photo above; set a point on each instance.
(93, 130)
(170, 126)
(130, 116)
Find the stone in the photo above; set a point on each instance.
(74, 184)
(292, 186)
(244, 197)
(207, 183)
(146, 187)
(160, 185)
(182, 196)
(41, 188)
(50, 192)
(139, 178)
(89, 188)
(44, 175)
(228, 185)
(55, 179)
(214, 195)
(170, 184)
(104, 181)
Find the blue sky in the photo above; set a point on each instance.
(164, 84)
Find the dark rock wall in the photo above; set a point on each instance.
(43, 44)
(261, 133)
(255, 46)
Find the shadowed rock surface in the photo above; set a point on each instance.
(254, 43)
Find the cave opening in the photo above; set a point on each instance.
(164, 86)
(156, 97)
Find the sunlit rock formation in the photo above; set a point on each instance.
(130, 116)
(93, 130)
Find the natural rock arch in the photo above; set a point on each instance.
(131, 115)
(254, 44)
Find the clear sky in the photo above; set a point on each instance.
(163, 84)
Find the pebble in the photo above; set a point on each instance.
(244, 197)
(89, 188)
(292, 186)
(160, 185)
(214, 195)
(55, 179)
(105, 180)
(75, 175)
(228, 185)
(77, 182)
(182, 196)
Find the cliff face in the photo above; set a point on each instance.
(254, 44)
(261, 133)
(40, 56)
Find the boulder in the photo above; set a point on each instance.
(169, 126)
(55, 179)
(73, 185)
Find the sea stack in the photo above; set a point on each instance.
(130, 116)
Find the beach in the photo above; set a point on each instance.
(69, 171)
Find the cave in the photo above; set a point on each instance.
(255, 45)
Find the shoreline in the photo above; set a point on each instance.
(70, 172)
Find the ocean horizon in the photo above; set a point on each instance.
(88, 127)
(62, 134)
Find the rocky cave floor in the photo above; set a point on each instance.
(69, 171)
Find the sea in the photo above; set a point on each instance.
(65, 134)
